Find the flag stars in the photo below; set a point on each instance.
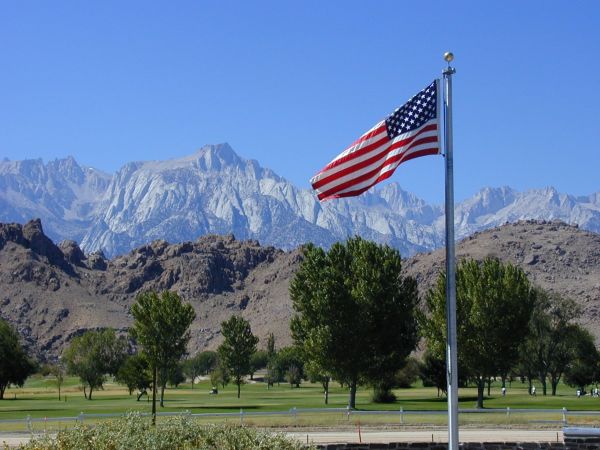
(414, 113)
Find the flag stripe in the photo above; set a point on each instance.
(384, 146)
(369, 179)
(362, 181)
(360, 147)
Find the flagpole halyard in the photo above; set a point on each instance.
(451, 351)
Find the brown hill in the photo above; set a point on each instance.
(557, 257)
(52, 293)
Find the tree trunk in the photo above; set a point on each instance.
(154, 377)
(59, 392)
(480, 390)
(543, 381)
(554, 384)
(503, 381)
(352, 398)
(2, 389)
(162, 395)
(90, 394)
(239, 384)
(326, 389)
(85, 391)
(489, 385)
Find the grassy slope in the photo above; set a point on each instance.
(38, 398)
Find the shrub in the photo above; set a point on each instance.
(134, 432)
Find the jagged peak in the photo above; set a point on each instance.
(215, 157)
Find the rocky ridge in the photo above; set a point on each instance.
(54, 292)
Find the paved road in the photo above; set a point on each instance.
(466, 435)
(327, 437)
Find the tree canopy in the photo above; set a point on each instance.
(355, 312)
(135, 374)
(161, 326)
(15, 365)
(551, 344)
(494, 304)
(239, 344)
(93, 355)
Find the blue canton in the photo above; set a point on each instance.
(414, 113)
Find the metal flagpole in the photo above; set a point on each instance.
(451, 358)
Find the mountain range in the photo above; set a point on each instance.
(215, 191)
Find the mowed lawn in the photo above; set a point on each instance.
(39, 399)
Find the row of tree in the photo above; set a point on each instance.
(357, 320)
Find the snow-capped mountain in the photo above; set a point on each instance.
(62, 193)
(216, 191)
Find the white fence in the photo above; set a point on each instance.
(559, 417)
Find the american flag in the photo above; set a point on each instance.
(411, 131)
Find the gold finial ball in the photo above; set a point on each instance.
(448, 56)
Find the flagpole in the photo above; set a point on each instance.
(451, 353)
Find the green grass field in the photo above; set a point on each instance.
(39, 399)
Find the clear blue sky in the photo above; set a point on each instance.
(292, 83)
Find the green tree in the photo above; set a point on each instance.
(355, 312)
(494, 304)
(258, 361)
(58, 372)
(239, 344)
(271, 346)
(15, 365)
(93, 355)
(406, 376)
(317, 374)
(583, 368)
(135, 374)
(220, 375)
(175, 376)
(208, 360)
(162, 327)
(201, 364)
(270, 377)
(548, 349)
(289, 365)
(433, 372)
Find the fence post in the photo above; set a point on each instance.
(241, 416)
(81, 417)
(29, 426)
(348, 413)
(564, 414)
(508, 411)
(401, 415)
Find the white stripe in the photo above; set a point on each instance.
(384, 157)
(362, 144)
(328, 172)
(384, 169)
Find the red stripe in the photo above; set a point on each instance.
(402, 157)
(367, 162)
(383, 176)
(359, 152)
